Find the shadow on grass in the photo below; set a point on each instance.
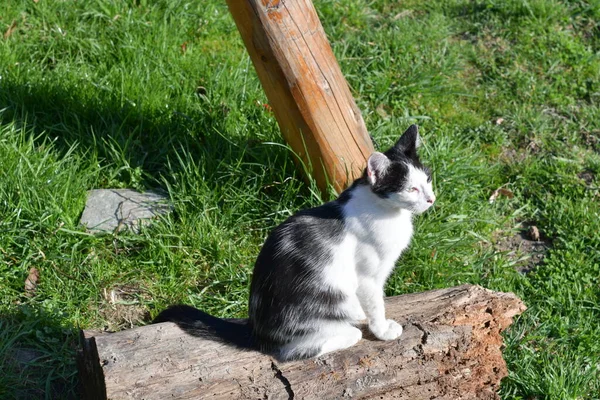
(37, 353)
(37, 356)
(140, 143)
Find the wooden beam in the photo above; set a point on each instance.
(450, 349)
(305, 87)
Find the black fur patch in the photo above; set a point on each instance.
(392, 181)
(198, 323)
(285, 295)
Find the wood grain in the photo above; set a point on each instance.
(305, 87)
(450, 349)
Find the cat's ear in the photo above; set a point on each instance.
(409, 141)
(376, 166)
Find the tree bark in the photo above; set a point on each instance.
(450, 349)
(305, 87)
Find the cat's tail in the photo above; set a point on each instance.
(200, 324)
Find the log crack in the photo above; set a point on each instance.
(425, 335)
(283, 379)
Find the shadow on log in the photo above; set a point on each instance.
(450, 349)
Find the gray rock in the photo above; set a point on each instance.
(113, 210)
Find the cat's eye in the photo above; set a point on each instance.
(413, 190)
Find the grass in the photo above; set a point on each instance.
(162, 95)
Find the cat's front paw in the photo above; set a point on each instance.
(388, 330)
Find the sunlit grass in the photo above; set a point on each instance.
(163, 95)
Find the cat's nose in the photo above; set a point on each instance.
(431, 200)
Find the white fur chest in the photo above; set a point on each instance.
(381, 233)
(387, 236)
(392, 234)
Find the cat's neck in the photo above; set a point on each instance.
(371, 219)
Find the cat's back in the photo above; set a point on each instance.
(306, 237)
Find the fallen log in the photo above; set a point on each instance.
(450, 349)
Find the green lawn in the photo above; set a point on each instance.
(162, 94)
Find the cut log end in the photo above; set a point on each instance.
(91, 376)
(450, 349)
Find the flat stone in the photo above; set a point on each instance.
(113, 210)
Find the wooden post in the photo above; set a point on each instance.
(450, 349)
(305, 87)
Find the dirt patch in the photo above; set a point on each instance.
(527, 248)
(587, 176)
(510, 155)
(124, 307)
(519, 153)
(592, 140)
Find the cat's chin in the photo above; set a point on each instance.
(413, 209)
(410, 207)
(420, 210)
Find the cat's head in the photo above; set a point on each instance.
(398, 177)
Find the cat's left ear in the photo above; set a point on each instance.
(409, 141)
(376, 167)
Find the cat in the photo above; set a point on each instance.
(323, 270)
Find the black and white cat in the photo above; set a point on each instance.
(324, 269)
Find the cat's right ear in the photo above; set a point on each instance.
(406, 146)
(410, 140)
(376, 166)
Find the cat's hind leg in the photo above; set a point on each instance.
(329, 338)
(341, 337)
